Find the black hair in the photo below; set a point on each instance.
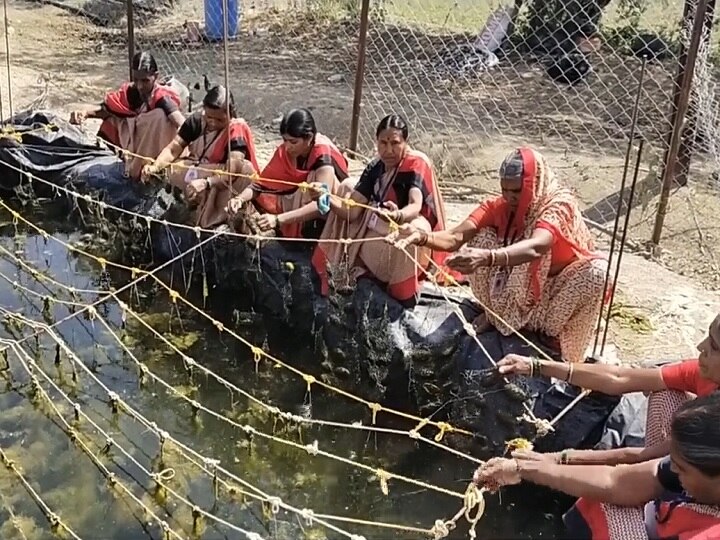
(144, 61)
(695, 430)
(512, 166)
(215, 98)
(393, 121)
(298, 123)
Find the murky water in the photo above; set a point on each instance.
(73, 484)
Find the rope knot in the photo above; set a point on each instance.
(441, 529)
(165, 475)
(384, 477)
(54, 520)
(309, 379)
(210, 462)
(444, 428)
(308, 516)
(375, 408)
(313, 448)
(469, 329)
(275, 503)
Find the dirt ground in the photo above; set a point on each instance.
(663, 306)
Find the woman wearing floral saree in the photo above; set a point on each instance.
(214, 143)
(532, 262)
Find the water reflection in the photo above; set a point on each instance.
(72, 486)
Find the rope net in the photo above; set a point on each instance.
(67, 388)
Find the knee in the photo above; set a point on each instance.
(347, 186)
(591, 273)
(421, 223)
(485, 238)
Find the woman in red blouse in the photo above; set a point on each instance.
(668, 386)
(673, 498)
(531, 261)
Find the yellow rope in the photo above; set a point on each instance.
(56, 523)
(213, 464)
(257, 351)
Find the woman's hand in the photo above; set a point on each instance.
(389, 211)
(316, 190)
(468, 260)
(406, 235)
(148, 171)
(78, 117)
(234, 206)
(195, 188)
(268, 222)
(514, 364)
(498, 472)
(529, 455)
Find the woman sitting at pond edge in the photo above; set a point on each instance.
(141, 117)
(400, 185)
(206, 136)
(669, 387)
(532, 261)
(280, 208)
(676, 497)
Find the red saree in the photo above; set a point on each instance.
(279, 180)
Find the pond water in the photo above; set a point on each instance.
(72, 483)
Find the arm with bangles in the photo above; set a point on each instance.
(350, 212)
(236, 156)
(324, 179)
(624, 485)
(605, 378)
(166, 156)
(615, 456)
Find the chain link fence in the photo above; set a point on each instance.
(473, 78)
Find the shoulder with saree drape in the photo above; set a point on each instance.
(137, 126)
(207, 153)
(279, 181)
(400, 272)
(558, 294)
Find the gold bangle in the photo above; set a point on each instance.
(492, 257)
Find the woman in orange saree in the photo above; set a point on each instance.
(532, 262)
(400, 186)
(280, 207)
(141, 117)
(215, 144)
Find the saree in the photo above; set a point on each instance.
(207, 154)
(278, 190)
(678, 518)
(144, 131)
(563, 305)
(402, 271)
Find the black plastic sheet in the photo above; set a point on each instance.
(421, 358)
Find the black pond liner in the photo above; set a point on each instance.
(420, 359)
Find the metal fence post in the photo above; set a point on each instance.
(359, 75)
(130, 34)
(683, 101)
